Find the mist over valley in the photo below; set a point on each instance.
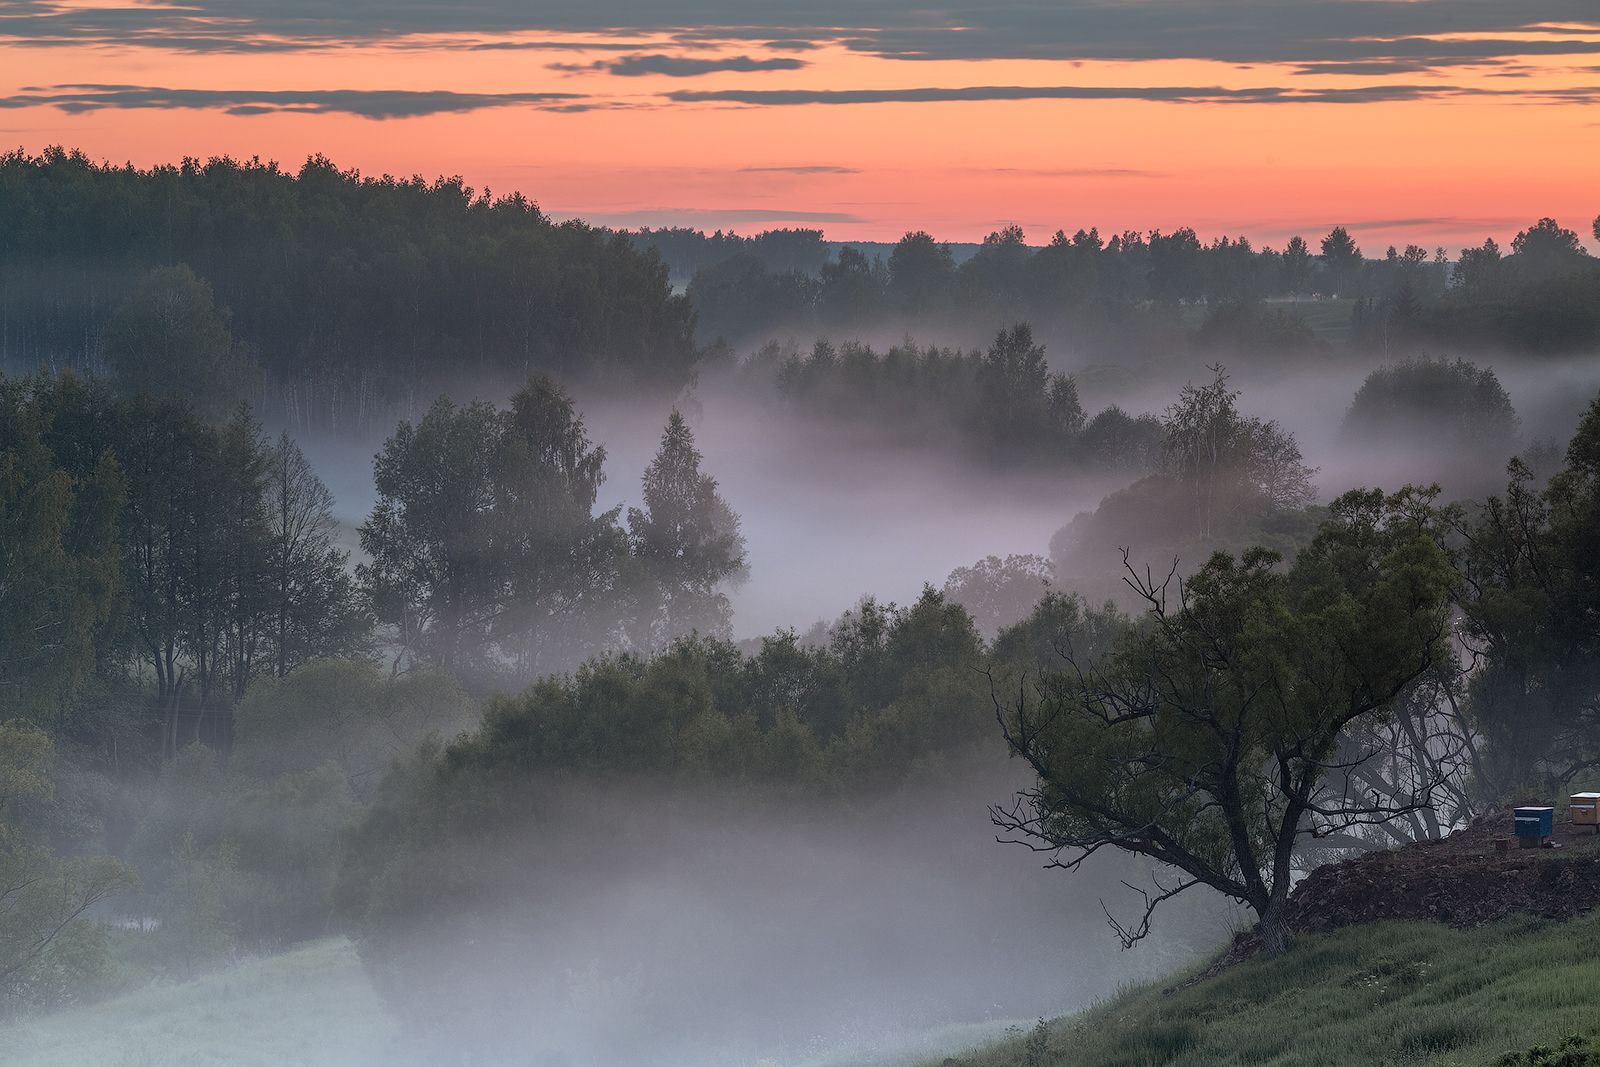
(432, 633)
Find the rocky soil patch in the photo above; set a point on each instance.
(1463, 880)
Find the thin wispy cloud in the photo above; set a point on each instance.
(1373, 68)
(1077, 172)
(519, 44)
(805, 168)
(1172, 94)
(678, 66)
(1426, 222)
(714, 216)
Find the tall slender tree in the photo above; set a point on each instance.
(1342, 259)
(313, 610)
(686, 543)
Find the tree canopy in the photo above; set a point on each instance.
(354, 293)
(686, 546)
(1454, 405)
(1530, 561)
(1209, 739)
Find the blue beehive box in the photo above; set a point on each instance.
(1535, 822)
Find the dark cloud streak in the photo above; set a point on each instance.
(678, 66)
(1173, 94)
(1244, 31)
(402, 103)
(367, 103)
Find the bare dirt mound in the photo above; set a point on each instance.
(1462, 880)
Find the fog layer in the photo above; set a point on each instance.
(621, 925)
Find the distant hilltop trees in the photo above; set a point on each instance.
(356, 297)
(1118, 293)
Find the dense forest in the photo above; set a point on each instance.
(1117, 296)
(357, 298)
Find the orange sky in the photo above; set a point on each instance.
(1463, 152)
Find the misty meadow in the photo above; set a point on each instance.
(435, 633)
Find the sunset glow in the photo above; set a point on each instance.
(1437, 127)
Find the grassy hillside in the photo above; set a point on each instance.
(1391, 994)
(312, 1007)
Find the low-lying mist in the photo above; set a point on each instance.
(830, 515)
(616, 923)
(827, 516)
(832, 511)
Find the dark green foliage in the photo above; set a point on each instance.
(1250, 329)
(58, 567)
(168, 339)
(1531, 595)
(1572, 1051)
(1025, 406)
(1412, 995)
(1452, 405)
(686, 252)
(344, 714)
(739, 298)
(685, 544)
(1060, 623)
(1161, 1042)
(1036, 1048)
(1118, 297)
(891, 685)
(1115, 441)
(1005, 403)
(354, 292)
(917, 387)
(50, 947)
(312, 608)
(893, 690)
(1103, 291)
(1227, 481)
(1341, 261)
(1544, 297)
(1205, 738)
(484, 546)
(194, 558)
(921, 274)
(487, 558)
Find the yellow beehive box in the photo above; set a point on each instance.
(1584, 809)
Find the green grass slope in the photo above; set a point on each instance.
(1385, 995)
(312, 1007)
